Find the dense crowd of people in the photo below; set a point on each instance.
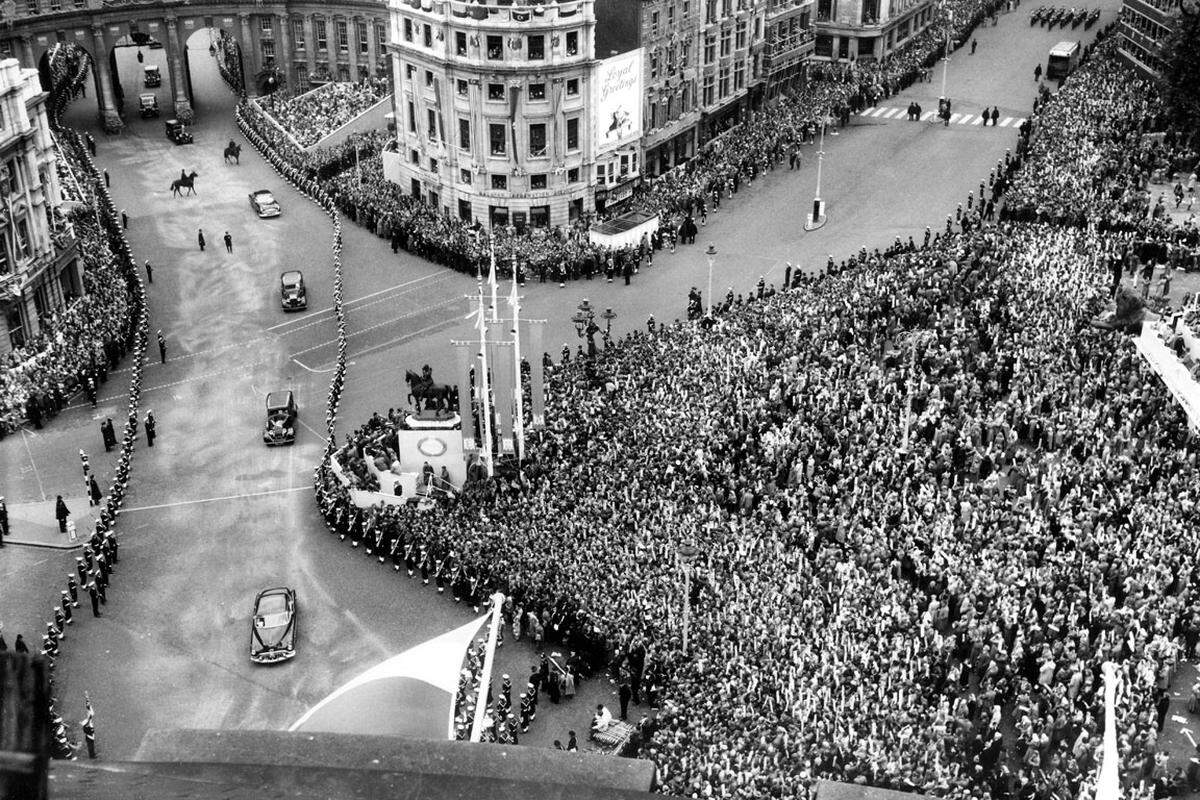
(923, 498)
(311, 116)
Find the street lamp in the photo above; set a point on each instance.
(687, 554)
(585, 323)
(817, 218)
(946, 63)
(711, 253)
(608, 316)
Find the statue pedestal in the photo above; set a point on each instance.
(427, 420)
(111, 121)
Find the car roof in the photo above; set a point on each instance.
(257, 192)
(274, 590)
(291, 272)
(147, 96)
(280, 398)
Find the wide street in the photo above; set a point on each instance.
(212, 516)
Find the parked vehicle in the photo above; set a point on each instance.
(147, 106)
(151, 77)
(280, 428)
(293, 296)
(177, 132)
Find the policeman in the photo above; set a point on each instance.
(94, 593)
(151, 429)
(762, 286)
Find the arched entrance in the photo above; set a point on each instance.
(214, 65)
(138, 65)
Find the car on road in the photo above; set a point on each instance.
(177, 132)
(293, 296)
(152, 78)
(147, 106)
(264, 203)
(273, 626)
(281, 419)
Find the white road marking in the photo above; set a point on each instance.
(308, 319)
(928, 115)
(977, 120)
(1004, 122)
(179, 503)
(309, 428)
(891, 112)
(36, 474)
(954, 118)
(443, 304)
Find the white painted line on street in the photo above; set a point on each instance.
(954, 118)
(32, 463)
(309, 428)
(977, 120)
(435, 306)
(891, 112)
(1004, 122)
(928, 115)
(308, 317)
(215, 499)
(875, 112)
(966, 119)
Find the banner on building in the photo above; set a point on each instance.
(618, 107)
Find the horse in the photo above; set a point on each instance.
(436, 395)
(184, 182)
(233, 150)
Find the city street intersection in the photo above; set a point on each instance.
(212, 516)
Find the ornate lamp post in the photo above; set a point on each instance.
(585, 324)
(711, 253)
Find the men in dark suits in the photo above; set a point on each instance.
(3, 521)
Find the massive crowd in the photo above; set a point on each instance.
(311, 116)
(927, 501)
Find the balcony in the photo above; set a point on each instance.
(785, 51)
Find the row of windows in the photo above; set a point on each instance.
(497, 133)
(498, 181)
(495, 91)
(717, 88)
(341, 31)
(726, 9)
(534, 45)
(32, 7)
(1144, 25)
(20, 243)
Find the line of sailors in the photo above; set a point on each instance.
(92, 571)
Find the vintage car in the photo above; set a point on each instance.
(273, 626)
(264, 203)
(177, 132)
(293, 296)
(151, 77)
(281, 419)
(147, 106)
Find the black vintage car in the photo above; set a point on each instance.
(281, 419)
(293, 296)
(177, 132)
(273, 626)
(147, 106)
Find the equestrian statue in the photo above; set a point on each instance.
(439, 397)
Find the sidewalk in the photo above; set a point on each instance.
(34, 524)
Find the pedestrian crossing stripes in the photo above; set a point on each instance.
(887, 112)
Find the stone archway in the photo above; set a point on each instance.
(214, 66)
(129, 57)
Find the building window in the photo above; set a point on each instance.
(500, 182)
(363, 38)
(408, 30)
(572, 43)
(343, 72)
(496, 142)
(539, 216)
(427, 35)
(495, 48)
(464, 176)
(537, 91)
(412, 117)
(495, 91)
(414, 156)
(572, 87)
(464, 134)
(428, 78)
(5, 264)
(343, 36)
(433, 165)
(432, 118)
(302, 74)
(460, 86)
(464, 208)
(410, 72)
(710, 48)
(22, 239)
(723, 85)
(322, 40)
(537, 181)
(298, 33)
(265, 29)
(460, 43)
(741, 34)
(573, 175)
(537, 47)
(726, 42)
(537, 139)
(710, 12)
(268, 50)
(654, 65)
(739, 76)
(573, 133)
(381, 37)
(708, 90)
(654, 23)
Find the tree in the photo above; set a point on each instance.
(1181, 70)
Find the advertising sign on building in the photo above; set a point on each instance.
(618, 115)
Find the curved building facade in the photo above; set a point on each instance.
(492, 109)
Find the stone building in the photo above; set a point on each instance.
(868, 29)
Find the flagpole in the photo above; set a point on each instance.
(519, 426)
(1108, 783)
(485, 390)
(485, 679)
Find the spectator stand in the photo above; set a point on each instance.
(374, 118)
